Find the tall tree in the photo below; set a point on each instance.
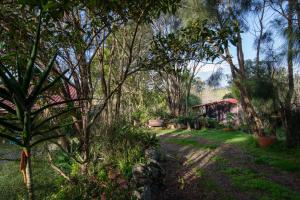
(23, 97)
(224, 31)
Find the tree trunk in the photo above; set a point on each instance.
(291, 131)
(86, 143)
(118, 103)
(251, 115)
(29, 182)
(292, 128)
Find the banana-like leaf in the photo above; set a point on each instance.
(20, 77)
(47, 87)
(30, 64)
(16, 86)
(19, 109)
(43, 78)
(7, 108)
(37, 112)
(10, 83)
(6, 124)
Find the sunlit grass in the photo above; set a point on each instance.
(191, 142)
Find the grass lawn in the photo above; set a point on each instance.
(247, 180)
(46, 181)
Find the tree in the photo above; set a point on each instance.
(287, 12)
(177, 60)
(102, 46)
(23, 97)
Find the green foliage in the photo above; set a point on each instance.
(199, 172)
(193, 100)
(125, 167)
(24, 94)
(75, 169)
(144, 113)
(63, 162)
(123, 145)
(102, 174)
(229, 120)
(213, 123)
(67, 192)
(215, 78)
(203, 122)
(228, 95)
(186, 119)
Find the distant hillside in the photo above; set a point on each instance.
(210, 95)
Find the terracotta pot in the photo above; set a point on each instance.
(265, 141)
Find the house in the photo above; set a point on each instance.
(218, 109)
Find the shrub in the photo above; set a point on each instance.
(213, 123)
(189, 119)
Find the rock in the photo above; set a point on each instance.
(138, 169)
(146, 193)
(152, 162)
(143, 193)
(152, 154)
(140, 174)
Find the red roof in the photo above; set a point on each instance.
(229, 100)
(59, 98)
(53, 99)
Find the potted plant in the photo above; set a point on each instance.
(267, 139)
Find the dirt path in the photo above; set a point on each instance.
(183, 166)
(197, 173)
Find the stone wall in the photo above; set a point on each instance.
(148, 176)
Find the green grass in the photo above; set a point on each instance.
(282, 164)
(219, 159)
(199, 172)
(259, 186)
(211, 186)
(191, 142)
(215, 135)
(45, 180)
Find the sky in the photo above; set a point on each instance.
(249, 53)
(248, 39)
